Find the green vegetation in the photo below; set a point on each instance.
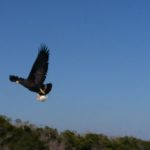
(25, 136)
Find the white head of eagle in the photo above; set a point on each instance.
(35, 80)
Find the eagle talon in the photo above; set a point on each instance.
(42, 91)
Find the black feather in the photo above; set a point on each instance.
(48, 88)
(40, 66)
(13, 78)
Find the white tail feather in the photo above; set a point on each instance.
(41, 98)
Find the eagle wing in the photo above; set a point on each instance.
(40, 66)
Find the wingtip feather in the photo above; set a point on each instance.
(44, 49)
(13, 78)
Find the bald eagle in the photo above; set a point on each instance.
(37, 75)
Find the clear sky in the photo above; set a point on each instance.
(99, 64)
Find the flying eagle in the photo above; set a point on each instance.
(37, 75)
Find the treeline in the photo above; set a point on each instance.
(18, 135)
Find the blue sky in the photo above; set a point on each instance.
(99, 64)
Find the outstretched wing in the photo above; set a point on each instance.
(40, 66)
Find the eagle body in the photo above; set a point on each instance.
(37, 75)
